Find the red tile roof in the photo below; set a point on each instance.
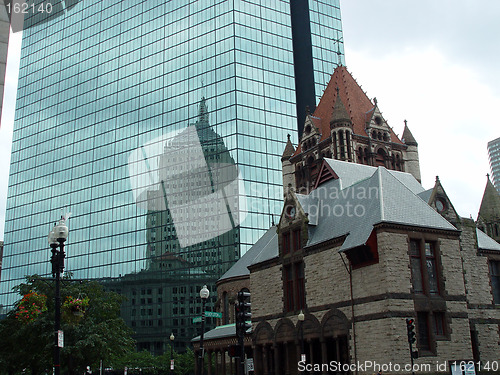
(358, 105)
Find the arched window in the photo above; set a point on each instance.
(335, 145)
(342, 146)
(380, 159)
(348, 143)
(360, 156)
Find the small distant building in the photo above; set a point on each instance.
(162, 300)
(494, 157)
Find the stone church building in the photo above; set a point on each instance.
(360, 247)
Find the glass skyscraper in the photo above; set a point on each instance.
(494, 158)
(110, 94)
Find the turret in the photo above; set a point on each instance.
(288, 168)
(412, 164)
(341, 131)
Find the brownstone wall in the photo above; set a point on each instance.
(231, 287)
(267, 292)
(483, 315)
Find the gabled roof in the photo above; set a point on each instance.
(426, 195)
(362, 197)
(485, 242)
(260, 250)
(351, 173)
(357, 104)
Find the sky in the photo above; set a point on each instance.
(434, 63)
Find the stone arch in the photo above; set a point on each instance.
(311, 327)
(381, 157)
(263, 334)
(334, 323)
(284, 331)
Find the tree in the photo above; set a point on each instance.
(100, 334)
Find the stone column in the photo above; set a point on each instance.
(209, 365)
(324, 352)
(277, 367)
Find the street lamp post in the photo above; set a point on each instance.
(57, 237)
(301, 318)
(172, 337)
(204, 293)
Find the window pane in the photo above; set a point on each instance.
(299, 269)
(439, 323)
(286, 243)
(495, 280)
(414, 248)
(432, 272)
(296, 240)
(423, 330)
(416, 274)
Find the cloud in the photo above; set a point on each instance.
(449, 111)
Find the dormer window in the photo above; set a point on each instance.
(308, 129)
(378, 120)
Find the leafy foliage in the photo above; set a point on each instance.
(100, 334)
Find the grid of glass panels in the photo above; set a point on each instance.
(327, 41)
(494, 158)
(105, 79)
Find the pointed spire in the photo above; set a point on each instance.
(408, 138)
(339, 113)
(490, 205)
(203, 111)
(289, 149)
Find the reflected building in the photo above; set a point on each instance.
(104, 88)
(494, 158)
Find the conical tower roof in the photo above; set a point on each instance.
(289, 150)
(356, 103)
(408, 137)
(339, 113)
(490, 205)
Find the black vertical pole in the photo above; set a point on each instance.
(202, 353)
(57, 318)
(301, 339)
(171, 356)
(58, 267)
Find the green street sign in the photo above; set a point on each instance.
(208, 314)
(213, 314)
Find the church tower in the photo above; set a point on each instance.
(349, 126)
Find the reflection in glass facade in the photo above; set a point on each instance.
(102, 83)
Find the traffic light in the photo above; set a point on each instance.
(410, 328)
(243, 314)
(233, 351)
